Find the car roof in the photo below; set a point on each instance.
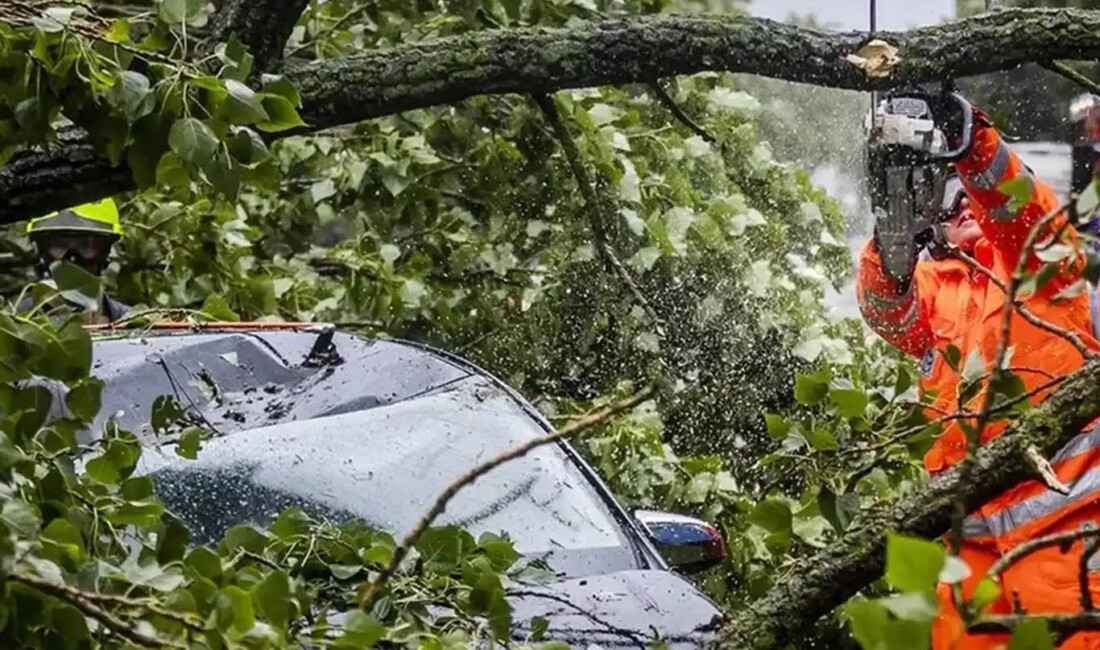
(233, 380)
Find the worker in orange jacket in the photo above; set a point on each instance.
(924, 306)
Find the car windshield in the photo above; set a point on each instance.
(386, 465)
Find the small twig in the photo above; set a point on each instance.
(84, 601)
(1030, 546)
(667, 100)
(352, 13)
(589, 420)
(1066, 71)
(1024, 312)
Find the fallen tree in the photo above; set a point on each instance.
(612, 51)
(644, 49)
(840, 571)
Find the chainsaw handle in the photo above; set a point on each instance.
(937, 100)
(967, 131)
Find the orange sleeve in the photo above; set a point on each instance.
(901, 319)
(991, 163)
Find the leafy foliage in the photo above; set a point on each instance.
(461, 226)
(90, 557)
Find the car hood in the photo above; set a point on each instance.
(623, 609)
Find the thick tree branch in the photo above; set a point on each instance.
(855, 560)
(605, 52)
(262, 25)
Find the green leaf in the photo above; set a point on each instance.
(234, 606)
(274, 598)
(443, 548)
(913, 564)
(165, 412)
(281, 114)
(131, 95)
(281, 86)
(772, 515)
(66, 536)
(243, 104)
(83, 400)
(850, 402)
(172, 172)
(69, 623)
(182, 11)
(217, 309)
(984, 595)
(539, 626)
(1031, 634)
(188, 444)
(974, 368)
(236, 59)
(102, 470)
(225, 175)
(913, 606)
(246, 146)
(344, 571)
(361, 630)
(500, 550)
(33, 118)
(1089, 200)
(953, 355)
(868, 619)
(810, 389)
(777, 426)
(192, 140)
(822, 439)
(904, 380)
(119, 31)
(1019, 190)
(77, 286)
(20, 517)
(205, 562)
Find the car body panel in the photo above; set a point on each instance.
(257, 384)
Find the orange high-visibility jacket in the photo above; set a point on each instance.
(949, 303)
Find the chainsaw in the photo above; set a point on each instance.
(908, 173)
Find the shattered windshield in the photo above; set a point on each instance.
(387, 465)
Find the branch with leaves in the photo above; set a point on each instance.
(603, 52)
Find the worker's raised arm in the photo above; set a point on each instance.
(897, 316)
(1006, 221)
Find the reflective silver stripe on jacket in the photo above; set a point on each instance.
(889, 303)
(912, 314)
(991, 177)
(1046, 502)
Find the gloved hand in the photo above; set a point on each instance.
(901, 229)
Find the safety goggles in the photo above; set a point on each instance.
(79, 248)
(953, 194)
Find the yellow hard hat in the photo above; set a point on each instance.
(100, 217)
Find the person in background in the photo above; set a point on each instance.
(923, 307)
(84, 236)
(1084, 113)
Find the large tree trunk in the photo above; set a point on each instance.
(614, 51)
(856, 560)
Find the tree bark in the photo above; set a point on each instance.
(613, 51)
(857, 559)
(262, 25)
